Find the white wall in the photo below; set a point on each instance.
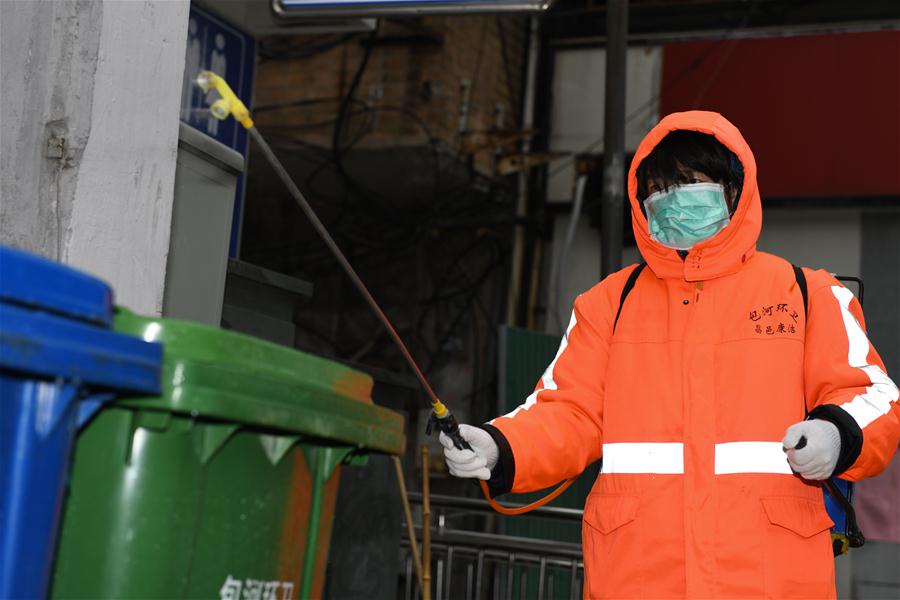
(578, 104)
(576, 123)
(106, 77)
(818, 238)
(580, 272)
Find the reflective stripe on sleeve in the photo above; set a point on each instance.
(876, 400)
(751, 457)
(650, 457)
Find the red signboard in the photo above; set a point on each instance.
(821, 112)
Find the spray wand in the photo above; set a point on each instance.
(228, 104)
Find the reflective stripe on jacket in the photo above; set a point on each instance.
(687, 403)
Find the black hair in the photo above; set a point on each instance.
(681, 152)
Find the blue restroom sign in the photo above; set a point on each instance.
(215, 45)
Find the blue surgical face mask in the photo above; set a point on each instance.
(685, 215)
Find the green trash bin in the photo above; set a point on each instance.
(224, 486)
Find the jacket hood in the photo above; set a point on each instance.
(725, 252)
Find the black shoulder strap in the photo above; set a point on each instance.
(629, 285)
(801, 282)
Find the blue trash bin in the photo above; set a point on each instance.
(59, 362)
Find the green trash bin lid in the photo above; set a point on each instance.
(228, 376)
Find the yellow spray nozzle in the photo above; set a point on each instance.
(440, 411)
(228, 103)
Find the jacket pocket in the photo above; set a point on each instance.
(609, 536)
(798, 557)
(606, 513)
(804, 517)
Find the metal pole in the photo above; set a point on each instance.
(479, 505)
(614, 137)
(426, 528)
(518, 250)
(407, 513)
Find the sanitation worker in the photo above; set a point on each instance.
(696, 395)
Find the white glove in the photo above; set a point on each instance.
(477, 462)
(816, 460)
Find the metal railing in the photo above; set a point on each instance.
(471, 565)
(481, 506)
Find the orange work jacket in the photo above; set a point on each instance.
(687, 402)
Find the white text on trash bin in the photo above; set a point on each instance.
(255, 589)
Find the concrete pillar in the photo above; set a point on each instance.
(89, 134)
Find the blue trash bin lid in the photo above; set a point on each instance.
(33, 282)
